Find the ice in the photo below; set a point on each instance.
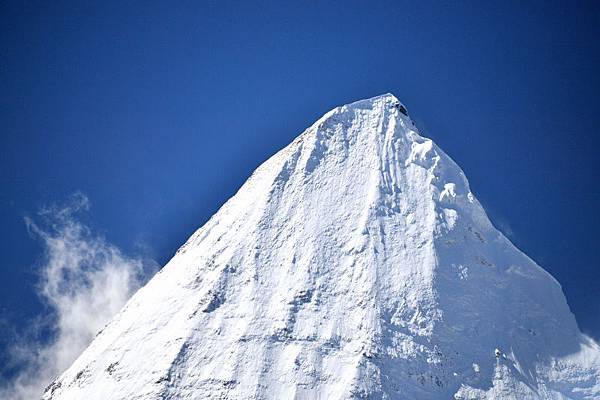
(356, 262)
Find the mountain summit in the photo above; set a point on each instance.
(354, 263)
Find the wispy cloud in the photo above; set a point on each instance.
(84, 281)
(505, 227)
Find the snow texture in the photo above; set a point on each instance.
(354, 263)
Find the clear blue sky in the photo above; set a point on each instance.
(158, 112)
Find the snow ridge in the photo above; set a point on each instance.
(354, 263)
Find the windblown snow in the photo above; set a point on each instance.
(354, 263)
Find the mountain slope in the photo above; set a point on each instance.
(354, 263)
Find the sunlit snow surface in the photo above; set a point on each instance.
(354, 263)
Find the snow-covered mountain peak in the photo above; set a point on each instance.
(354, 263)
(383, 100)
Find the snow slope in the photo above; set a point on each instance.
(354, 263)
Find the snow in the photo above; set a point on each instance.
(354, 263)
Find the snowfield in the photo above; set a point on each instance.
(354, 263)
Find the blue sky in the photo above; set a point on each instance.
(158, 112)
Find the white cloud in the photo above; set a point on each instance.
(84, 281)
(505, 227)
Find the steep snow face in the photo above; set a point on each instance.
(354, 263)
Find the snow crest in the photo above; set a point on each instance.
(354, 263)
